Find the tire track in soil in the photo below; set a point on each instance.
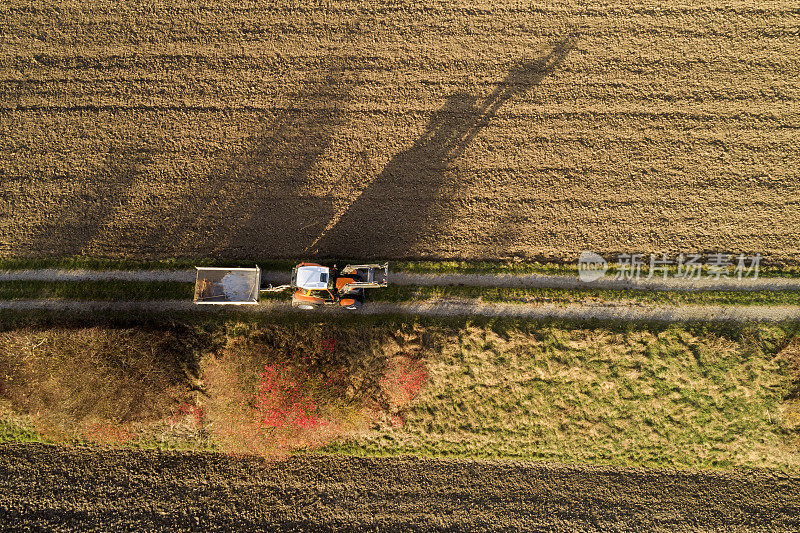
(445, 307)
(429, 280)
(93, 489)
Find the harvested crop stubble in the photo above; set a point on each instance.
(477, 130)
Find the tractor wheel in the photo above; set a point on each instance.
(351, 304)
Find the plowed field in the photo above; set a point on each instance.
(53, 488)
(436, 129)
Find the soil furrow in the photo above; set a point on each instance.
(135, 490)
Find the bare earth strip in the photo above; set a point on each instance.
(448, 307)
(406, 278)
(135, 490)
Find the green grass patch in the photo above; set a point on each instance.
(675, 397)
(13, 430)
(555, 269)
(422, 266)
(96, 290)
(404, 293)
(484, 267)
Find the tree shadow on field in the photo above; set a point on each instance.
(78, 220)
(292, 189)
(256, 203)
(260, 204)
(392, 214)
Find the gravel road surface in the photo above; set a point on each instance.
(448, 307)
(408, 278)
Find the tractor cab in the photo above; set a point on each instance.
(315, 285)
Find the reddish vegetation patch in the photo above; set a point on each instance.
(106, 433)
(268, 402)
(273, 411)
(187, 411)
(328, 345)
(282, 402)
(403, 380)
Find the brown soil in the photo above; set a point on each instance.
(130, 490)
(477, 130)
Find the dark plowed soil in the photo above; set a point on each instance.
(56, 488)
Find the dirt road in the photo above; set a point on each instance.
(408, 278)
(445, 306)
(54, 488)
(449, 307)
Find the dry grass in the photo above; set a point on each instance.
(449, 129)
(678, 395)
(790, 410)
(674, 398)
(92, 384)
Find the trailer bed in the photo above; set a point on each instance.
(223, 285)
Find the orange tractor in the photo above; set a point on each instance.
(316, 286)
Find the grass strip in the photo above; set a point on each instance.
(405, 293)
(161, 290)
(558, 269)
(421, 267)
(671, 398)
(96, 290)
(609, 392)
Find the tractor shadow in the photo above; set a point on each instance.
(391, 216)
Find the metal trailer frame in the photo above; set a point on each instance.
(371, 282)
(254, 294)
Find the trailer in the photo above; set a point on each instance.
(313, 285)
(229, 286)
